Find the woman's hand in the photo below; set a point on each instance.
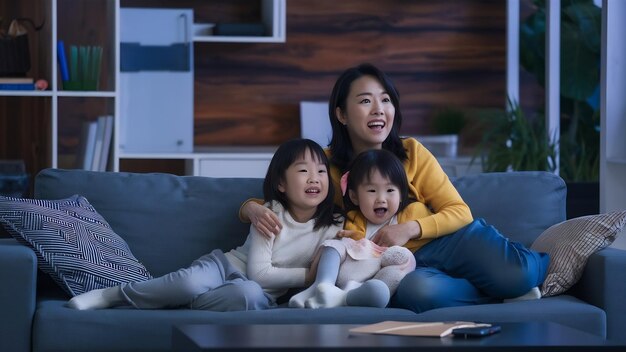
(348, 233)
(263, 219)
(397, 235)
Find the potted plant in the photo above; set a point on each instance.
(446, 125)
(516, 142)
(580, 78)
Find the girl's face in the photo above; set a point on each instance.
(368, 115)
(305, 186)
(378, 198)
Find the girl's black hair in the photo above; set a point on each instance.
(340, 144)
(387, 164)
(287, 154)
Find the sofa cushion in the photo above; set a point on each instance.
(570, 244)
(151, 330)
(521, 205)
(563, 309)
(167, 220)
(73, 243)
(129, 329)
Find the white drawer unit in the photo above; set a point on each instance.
(234, 162)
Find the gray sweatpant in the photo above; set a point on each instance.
(211, 282)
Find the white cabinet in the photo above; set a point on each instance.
(156, 80)
(234, 162)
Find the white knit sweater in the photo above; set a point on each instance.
(280, 262)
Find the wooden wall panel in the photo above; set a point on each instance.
(25, 121)
(25, 132)
(439, 53)
(444, 53)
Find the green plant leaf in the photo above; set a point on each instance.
(516, 142)
(580, 78)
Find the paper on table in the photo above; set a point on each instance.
(403, 328)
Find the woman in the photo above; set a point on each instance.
(460, 261)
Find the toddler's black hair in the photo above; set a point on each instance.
(387, 164)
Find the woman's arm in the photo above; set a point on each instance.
(439, 209)
(354, 226)
(430, 185)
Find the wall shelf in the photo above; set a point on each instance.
(273, 14)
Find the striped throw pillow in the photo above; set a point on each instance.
(73, 243)
(570, 243)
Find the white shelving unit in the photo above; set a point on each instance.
(61, 24)
(55, 28)
(220, 161)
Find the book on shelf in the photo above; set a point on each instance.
(103, 140)
(17, 86)
(425, 329)
(13, 80)
(106, 143)
(95, 163)
(95, 144)
(87, 145)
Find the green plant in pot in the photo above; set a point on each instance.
(580, 79)
(446, 125)
(515, 142)
(448, 120)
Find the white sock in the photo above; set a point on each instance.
(97, 299)
(534, 293)
(298, 300)
(327, 296)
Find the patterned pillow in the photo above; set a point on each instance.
(73, 243)
(570, 244)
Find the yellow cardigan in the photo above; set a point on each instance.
(442, 210)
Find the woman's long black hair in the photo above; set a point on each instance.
(340, 144)
(287, 154)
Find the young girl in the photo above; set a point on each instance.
(460, 261)
(297, 191)
(376, 194)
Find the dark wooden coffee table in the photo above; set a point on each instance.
(536, 336)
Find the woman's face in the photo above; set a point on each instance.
(369, 114)
(305, 186)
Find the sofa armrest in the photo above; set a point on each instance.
(602, 284)
(18, 279)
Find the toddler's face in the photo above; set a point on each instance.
(378, 198)
(305, 185)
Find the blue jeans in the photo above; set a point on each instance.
(474, 265)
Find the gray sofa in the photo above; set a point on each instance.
(170, 220)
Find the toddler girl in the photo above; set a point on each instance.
(375, 195)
